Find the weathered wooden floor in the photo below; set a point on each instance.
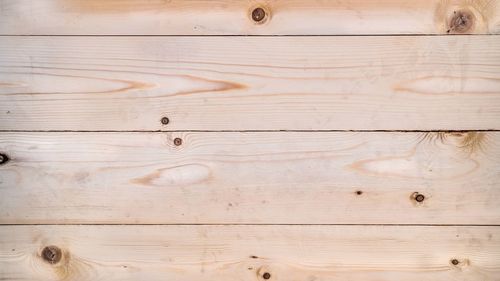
(343, 140)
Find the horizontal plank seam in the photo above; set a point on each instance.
(246, 131)
(248, 35)
(256, 224)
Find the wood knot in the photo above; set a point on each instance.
(460, 263)
(461, 21)
(264, 272)
(178, 141)
(419, 198)
(165, 120)
(259, 15)
(359, 192)
(51, 254)
(4, 158)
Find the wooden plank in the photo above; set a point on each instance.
(247, 253)
(261, 178)
(250, 83)
(230, 17)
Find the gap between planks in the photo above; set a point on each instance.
(247, 131)
(256, 224)
(250, 35)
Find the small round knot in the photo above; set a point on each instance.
(259, 14)
(51, 254)
(266, 275)
(4, 158)
(418, 197)
(455, 261)
(359, 192)
(165, 120)
(178, 141)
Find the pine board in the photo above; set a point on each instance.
(234, 17)
(247, 253)
(258, 178)
(250, 83)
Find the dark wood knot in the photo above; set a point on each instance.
(165, 120)
(4, 158)
(259, 15)
(266, 275)
(52, 254)
(418, 197)
(178, 141)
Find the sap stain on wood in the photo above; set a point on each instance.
(471, 142)
(123, 85)
(195, 85)
(449, 85)
(181, 175)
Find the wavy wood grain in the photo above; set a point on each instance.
(247, 253)
(250, 83)
(230, 17)
(271, 178)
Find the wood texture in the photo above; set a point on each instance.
(250, 83)
(230, 17)
(246, 253)
(133, 149)
(278, 178)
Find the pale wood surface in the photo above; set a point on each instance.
(295, 253)
(260, 176)
(250, 83)
(278, 177)
(233, 17)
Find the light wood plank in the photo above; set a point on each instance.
(295, 253)
(233, 17)
(283, 178)
(250, 83)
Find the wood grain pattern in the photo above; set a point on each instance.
(157, 154)
(246, 253)
(250, 83)
(271, 178)
(233, 17)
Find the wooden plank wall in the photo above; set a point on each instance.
(234, 17)
(295, 140)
